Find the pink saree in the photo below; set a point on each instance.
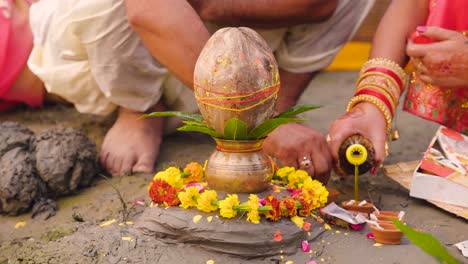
(447, 106)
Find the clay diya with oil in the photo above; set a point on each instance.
(388, 216)
(388, 233)
(358, 206)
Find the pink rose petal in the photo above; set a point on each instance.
(370, 235)
(138, 202)
(305, 246)
(358, 226)
(262, 201)
(311, 262)
(293, 191)
(200, 187)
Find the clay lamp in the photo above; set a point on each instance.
(358, 206)
(388, 216)
(385, 233)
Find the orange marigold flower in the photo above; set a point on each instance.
(161, 192)
(306, 207)
(196, 172)
(275, 213)
(288, 207)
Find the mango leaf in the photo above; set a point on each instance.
(427, 243)
(192, 123)
(205, 130)
(266, 127)
(293, 111)
(183, 115)
(235, 129)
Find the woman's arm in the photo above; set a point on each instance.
(400, 20)
(264, 13)
(365, 118)
(172, 31)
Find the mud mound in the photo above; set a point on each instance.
(56, 162)
(65, 159)
(19, 183)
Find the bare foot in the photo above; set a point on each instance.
(132, 144)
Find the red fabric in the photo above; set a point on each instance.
(447, 106)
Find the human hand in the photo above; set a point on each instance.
(366, 120)
(443, 62)
(292, 142)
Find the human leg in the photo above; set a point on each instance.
(132, 144)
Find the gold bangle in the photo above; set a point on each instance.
(465, 33)
(386, 63)
(387, 87)
(395, 92)
(375, 101)
(382, 91)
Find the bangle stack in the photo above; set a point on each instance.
(381, 82)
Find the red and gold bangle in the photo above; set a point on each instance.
(373, 100)
(387, 64)
(381, 83)
(377, 76)
(388, 72)
(363, 88)
(379, 96)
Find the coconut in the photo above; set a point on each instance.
(236, 75)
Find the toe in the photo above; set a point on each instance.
(127, 164)
(144, 164)
(117, 164)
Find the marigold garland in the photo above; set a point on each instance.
(185, 188)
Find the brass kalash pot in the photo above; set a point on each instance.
(236, 76)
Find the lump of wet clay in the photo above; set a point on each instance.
(65, 160)
(19, 183)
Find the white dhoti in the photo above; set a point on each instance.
(86, 52)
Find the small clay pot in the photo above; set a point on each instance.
(390, 235)
(367, 208)
(388, 216)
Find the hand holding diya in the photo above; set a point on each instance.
(236, 85)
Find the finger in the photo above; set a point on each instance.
(426, 78)
(306, 163)
(322, 165)
(417, 50)
(338, 134)
(438, 33)
(378, 142)
(420, 67)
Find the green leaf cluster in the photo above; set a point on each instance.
(235, 128)
(427, 243)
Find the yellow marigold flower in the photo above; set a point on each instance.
(226, 206)
(188, 198)
(284, 172)
(204, 202)
(253, 215)
(196, 172)
(299, 221)
(173, 177)
(296, 178)
(319, 191)
(160, 175)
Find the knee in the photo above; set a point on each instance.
(321, 10)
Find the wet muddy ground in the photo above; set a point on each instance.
(74, 234)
